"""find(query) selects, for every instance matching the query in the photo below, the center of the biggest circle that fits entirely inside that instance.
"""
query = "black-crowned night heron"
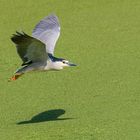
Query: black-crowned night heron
(37, 51)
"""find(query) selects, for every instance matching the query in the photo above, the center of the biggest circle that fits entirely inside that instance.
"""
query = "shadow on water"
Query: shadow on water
(50, 115)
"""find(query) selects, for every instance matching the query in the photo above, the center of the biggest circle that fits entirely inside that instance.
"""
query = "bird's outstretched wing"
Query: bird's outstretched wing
(29, 48)
(48, 31)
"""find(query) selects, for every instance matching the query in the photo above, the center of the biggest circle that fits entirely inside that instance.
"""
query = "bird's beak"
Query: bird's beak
(71, 64)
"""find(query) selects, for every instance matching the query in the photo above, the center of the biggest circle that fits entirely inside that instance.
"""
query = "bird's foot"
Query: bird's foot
(15, 77)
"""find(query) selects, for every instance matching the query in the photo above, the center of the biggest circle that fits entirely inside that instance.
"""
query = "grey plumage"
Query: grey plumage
(29, 48)
(48, 31)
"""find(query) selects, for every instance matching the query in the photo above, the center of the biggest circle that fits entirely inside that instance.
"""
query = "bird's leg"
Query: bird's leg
(15, 77)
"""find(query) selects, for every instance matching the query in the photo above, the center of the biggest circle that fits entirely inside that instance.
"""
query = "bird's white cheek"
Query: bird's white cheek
(57, 66)
(66, 65)
(60, 68)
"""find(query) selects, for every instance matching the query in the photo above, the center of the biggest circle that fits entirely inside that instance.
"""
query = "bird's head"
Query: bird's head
(59, 63)
(66, 63)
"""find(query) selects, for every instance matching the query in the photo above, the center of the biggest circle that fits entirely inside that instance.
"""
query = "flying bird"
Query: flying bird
(37, 51)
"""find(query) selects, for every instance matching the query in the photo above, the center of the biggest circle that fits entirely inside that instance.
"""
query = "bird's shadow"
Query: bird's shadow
(50, 115)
